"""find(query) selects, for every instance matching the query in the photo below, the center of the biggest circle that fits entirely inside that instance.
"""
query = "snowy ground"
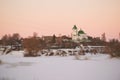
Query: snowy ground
(94, 67)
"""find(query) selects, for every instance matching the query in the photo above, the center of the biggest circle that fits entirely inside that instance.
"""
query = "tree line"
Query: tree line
(32, 45)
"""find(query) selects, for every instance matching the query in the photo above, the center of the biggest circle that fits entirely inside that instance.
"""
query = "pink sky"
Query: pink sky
(48, 17)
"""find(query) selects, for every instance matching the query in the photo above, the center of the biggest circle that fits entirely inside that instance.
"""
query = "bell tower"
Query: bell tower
(75, 32)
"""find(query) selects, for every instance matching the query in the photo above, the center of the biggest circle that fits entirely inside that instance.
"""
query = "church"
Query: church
(79, 35)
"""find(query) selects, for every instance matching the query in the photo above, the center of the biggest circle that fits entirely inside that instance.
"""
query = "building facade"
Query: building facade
(78, 35)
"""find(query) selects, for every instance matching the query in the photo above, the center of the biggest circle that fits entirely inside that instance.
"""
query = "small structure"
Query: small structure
(79, 35)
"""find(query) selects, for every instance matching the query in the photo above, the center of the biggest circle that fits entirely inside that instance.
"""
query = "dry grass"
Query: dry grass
(0, 61)
(77, 57)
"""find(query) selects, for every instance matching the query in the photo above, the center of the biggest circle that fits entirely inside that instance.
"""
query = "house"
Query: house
(47, 39)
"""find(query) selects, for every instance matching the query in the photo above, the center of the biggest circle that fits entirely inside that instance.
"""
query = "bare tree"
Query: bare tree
(103, 37)
(32, 45)
(4, 40)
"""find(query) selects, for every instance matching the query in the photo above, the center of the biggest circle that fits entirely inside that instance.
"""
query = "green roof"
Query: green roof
(81, 32)
(75, 27)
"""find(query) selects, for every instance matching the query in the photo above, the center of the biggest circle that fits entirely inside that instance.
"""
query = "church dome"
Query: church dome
(81, 32)
(75, 27)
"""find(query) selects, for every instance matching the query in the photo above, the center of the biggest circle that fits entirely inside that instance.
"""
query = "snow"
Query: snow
(96, 67)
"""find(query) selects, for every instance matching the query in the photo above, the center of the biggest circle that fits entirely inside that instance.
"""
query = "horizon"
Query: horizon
(48, 17)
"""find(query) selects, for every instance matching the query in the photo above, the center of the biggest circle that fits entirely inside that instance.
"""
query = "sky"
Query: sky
(48, 17)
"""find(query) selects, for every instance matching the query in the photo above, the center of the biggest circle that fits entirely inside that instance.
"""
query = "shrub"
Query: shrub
(114, 48)
(32, 46)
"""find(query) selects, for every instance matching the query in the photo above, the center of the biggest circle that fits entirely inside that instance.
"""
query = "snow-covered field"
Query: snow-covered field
(89, 67)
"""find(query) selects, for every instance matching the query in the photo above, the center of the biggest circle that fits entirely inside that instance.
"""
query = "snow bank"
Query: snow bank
(89, 56)
(17, 53)
(97, 67)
